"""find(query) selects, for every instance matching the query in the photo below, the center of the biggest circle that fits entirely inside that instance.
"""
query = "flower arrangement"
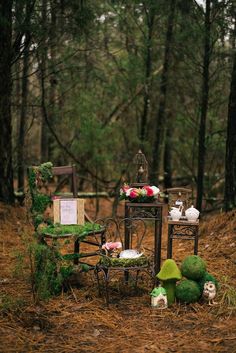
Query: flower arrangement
(112, 248)
(145, 194)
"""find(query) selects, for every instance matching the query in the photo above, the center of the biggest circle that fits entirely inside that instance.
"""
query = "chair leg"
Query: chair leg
(126, 275)
(76, 251)
(106, 278)
(136, 278)
(98, 281)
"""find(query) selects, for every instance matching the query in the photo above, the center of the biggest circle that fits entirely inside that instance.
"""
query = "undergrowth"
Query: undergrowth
(47, 270)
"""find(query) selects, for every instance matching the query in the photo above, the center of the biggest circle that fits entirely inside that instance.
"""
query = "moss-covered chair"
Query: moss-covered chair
(115, 259)
(42, 189)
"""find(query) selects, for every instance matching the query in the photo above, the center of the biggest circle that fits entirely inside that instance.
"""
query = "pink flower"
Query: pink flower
(149, 190)
(112, 245)
(134, 193)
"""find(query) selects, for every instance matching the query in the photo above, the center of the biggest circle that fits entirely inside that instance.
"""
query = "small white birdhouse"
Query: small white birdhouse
(159, 298)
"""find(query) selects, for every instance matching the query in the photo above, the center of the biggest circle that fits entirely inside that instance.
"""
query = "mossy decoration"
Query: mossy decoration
(169, 274)
(122, 262)
(78, 230)
(187, 291)
(38, 177)
(193, 267)
(206, 278)
(47, 276)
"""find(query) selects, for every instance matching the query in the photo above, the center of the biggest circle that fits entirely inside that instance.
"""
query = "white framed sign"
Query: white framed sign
(68, 211)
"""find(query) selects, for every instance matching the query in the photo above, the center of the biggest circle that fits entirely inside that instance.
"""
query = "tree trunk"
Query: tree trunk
(23, 113)
(204, 107)
(53, 79)
(6, 172)
(230, 159)
(160, 121)
(43, 66)
(148, 68)
(168, 157)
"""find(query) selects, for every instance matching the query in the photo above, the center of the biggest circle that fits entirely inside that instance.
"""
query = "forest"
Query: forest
(89, 86)
(91, 82)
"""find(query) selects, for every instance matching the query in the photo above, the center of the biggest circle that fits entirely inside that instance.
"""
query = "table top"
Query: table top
(183, 221)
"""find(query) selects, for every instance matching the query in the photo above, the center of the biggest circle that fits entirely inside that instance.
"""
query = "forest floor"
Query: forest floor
(79, 321)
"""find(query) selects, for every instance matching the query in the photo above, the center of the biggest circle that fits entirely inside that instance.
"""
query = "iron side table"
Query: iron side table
(150, 212)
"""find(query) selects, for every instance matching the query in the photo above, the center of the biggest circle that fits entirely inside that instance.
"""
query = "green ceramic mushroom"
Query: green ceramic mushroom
(169, 275)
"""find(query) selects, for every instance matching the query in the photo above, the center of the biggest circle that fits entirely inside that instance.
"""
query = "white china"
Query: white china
(130, 254)
(175, 214)
(192, 214)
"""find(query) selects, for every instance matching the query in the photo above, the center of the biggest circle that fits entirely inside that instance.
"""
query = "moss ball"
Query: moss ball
(193, 267)
(206, 278)
(188, 291)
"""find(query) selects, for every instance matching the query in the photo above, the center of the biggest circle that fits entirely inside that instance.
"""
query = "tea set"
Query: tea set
(191, 213)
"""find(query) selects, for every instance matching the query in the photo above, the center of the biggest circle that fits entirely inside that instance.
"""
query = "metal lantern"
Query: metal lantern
(141, 167)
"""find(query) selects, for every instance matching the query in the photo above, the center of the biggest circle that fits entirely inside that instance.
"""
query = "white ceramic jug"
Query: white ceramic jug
(175, 213)
(192, 214)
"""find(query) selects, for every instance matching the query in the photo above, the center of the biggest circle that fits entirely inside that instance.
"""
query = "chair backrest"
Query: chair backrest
(39, 180)
(42, 189)
(130, 232)
(69, 170)
(176, 196)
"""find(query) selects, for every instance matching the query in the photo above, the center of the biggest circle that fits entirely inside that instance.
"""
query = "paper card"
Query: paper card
(69, 211)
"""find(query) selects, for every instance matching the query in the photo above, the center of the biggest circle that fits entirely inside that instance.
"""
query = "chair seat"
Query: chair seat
(123, 263)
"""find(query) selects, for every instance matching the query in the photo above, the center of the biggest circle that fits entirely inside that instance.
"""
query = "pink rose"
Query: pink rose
(149, 190)
(134, 193)
(112, 245)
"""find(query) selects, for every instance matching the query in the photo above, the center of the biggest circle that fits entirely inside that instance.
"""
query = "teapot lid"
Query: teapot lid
(192, 208)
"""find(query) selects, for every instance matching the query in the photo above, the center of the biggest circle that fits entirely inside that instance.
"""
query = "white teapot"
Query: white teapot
(175, 213)
(192, 214)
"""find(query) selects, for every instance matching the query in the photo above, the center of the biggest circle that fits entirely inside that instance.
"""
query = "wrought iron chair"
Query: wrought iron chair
(111, 263)
(182, 229)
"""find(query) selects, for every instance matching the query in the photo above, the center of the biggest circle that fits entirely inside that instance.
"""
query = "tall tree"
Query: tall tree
(150, 15)
(24, 99)
(160, 120)
(230, 158)
(43, 73)
(204, 105)
(6, 172)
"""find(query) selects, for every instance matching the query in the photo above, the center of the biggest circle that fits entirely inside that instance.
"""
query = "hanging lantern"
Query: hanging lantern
(141, 168)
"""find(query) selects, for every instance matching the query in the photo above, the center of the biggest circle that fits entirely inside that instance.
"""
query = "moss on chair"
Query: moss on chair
(38, 176)
(79, 231)
(124, 262)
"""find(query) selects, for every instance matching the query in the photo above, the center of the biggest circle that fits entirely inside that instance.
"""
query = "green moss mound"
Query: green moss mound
(122, 262)
(193, 267)
(187, 291)
(206, 278)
